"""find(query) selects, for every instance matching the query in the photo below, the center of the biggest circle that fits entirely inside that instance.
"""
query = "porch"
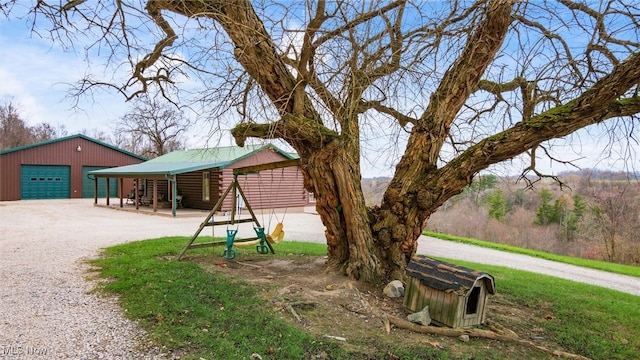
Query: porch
(114, 204)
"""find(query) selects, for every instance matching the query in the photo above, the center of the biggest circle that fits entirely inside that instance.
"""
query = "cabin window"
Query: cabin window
(206, 186)
(472, 301)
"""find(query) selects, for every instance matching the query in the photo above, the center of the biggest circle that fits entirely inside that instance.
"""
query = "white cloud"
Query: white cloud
(37, 76)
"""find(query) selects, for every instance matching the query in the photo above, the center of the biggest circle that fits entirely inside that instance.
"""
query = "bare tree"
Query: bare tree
(98, 134)
(466, 84)
(14, 130)
(613, 219)
(152, 128)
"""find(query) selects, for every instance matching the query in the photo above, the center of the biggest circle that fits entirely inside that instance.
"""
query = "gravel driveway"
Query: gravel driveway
(46, 305)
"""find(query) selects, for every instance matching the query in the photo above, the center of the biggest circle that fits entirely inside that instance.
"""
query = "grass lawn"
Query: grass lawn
(195, 313)
(198, 314)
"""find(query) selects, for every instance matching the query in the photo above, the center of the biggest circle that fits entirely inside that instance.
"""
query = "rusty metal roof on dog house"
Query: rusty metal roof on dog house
(447, 277)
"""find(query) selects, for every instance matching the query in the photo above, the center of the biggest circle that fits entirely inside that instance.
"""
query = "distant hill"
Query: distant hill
(595, 174)
(373, 189)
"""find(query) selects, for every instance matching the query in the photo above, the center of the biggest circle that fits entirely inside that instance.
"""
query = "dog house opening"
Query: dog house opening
(472, 301)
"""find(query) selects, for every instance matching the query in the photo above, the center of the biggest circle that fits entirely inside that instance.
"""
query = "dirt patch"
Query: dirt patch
(305, 293)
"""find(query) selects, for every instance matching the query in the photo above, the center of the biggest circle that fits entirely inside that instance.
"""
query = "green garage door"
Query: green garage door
(45, 182)
(87, 183)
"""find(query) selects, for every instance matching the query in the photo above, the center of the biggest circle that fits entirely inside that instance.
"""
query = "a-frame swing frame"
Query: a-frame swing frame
(235, 189)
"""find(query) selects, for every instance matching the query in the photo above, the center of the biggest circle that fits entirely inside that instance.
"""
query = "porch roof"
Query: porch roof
(184, 161)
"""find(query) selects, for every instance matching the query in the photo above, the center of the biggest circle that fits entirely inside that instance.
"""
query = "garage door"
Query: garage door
(45, 182)
(87, 183)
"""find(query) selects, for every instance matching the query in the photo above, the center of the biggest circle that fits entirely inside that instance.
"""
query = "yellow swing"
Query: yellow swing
(277, 235)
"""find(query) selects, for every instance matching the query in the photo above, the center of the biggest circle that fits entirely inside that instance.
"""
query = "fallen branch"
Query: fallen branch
(375, 311)
(247, 264)
(339, 338)
(497, 328)
(289, 306)
(478, 333)
(293, 312)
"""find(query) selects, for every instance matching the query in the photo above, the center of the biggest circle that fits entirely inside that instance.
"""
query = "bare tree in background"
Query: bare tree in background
(98, 134)
(14, 130)
(151, 128)
(613, 219)
(464, 84)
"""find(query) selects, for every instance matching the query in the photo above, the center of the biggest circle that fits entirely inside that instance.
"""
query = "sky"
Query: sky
(36, 76)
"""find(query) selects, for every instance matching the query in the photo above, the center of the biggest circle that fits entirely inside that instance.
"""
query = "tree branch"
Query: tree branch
(150, 59)
(403, 119)
(359, 20)
(297, 130)
(460, 80)
(597, 104)
(498, 88)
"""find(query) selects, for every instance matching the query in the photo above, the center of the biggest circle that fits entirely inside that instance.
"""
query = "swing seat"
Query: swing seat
(277, 235)
(230, 252)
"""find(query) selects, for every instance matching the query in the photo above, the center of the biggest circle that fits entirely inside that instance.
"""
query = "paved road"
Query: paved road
(452, 250)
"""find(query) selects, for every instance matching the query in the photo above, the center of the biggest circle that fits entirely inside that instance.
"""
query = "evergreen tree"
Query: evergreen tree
(579, 206)
(498, 206)
(546, 213)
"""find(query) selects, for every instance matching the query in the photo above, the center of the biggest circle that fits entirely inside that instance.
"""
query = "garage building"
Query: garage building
(59, 168)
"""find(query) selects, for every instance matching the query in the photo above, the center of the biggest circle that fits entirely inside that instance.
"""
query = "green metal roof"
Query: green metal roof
(184, 161)
(81, 136)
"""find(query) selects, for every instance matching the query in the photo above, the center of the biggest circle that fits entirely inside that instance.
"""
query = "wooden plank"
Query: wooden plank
(412, 294)
(268, 166)
(207, 244)
(458, 312)
(482, 302)
(228, 222)
(438, 304)
(238, 242)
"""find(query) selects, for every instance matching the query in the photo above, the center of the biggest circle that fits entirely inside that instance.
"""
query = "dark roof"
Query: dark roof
(184, 161)
(447, 277)
(77, 136)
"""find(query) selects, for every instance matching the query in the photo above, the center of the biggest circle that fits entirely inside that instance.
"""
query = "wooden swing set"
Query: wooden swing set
(262, 240)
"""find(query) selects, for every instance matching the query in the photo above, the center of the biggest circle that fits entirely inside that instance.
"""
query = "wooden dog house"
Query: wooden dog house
(456, 296)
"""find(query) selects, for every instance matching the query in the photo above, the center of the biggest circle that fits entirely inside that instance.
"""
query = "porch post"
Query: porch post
(175, 193)
(155, 195)
(108, 194)
(137, 183)
(95, 190)
(121, 187)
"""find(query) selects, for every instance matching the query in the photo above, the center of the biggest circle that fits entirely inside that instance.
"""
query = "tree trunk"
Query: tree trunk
(334, 177)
